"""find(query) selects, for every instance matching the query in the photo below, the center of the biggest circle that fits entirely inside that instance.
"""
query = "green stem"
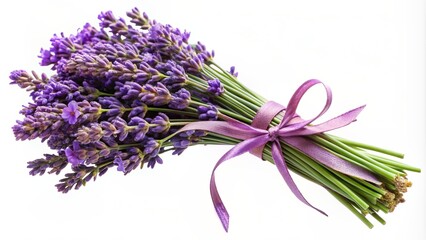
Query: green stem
(349, 206)
(368, 147)
(394, 164)
(229, 76)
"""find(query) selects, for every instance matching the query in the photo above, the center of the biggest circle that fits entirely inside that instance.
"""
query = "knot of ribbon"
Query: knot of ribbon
(290, 131)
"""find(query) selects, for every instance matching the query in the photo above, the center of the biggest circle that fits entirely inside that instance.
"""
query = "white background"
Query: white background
(369, 52)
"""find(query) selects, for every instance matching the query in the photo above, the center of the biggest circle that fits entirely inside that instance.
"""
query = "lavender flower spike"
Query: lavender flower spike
(72, 154)
(71, 112)
(161, 123)
(207, 112)
(120, 164)
(215, 87)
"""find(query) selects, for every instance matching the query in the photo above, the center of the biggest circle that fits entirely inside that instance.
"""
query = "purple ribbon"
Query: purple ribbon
(290, 130)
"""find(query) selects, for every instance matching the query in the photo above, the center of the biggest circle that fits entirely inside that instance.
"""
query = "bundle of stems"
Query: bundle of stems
(360, 196)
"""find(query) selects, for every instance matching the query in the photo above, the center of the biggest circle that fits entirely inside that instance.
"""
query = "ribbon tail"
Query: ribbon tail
(334, 123)
(281, 165)
(330, 160)
(237, 150)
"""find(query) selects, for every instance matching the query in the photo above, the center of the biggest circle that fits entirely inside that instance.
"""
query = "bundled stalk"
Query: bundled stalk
(124, 94)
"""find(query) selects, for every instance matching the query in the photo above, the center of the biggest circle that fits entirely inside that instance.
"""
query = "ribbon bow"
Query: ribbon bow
(290, 130)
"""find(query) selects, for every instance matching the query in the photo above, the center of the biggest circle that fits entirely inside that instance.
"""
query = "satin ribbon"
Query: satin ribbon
(290, 131)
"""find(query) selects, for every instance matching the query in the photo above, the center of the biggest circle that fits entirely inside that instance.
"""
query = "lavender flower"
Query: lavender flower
(80, 175)
(128, 90)
(108, 20)
(72, 154)
(233, 72)
(138, 19)
(87, 35)
(154, 160)
(155, 96)
(207, 112)
(180, 99)
(26, 81)
(61, 138)
(183, 140)
(141, 128)
(151, 147)
(138, 111)
(119, 162)
(176, 76)
(122, 128)
(56, 163)
(215, 87)
(202, 52)
(62, 48)
(160, 124)
(71, 112)
(121, 52)
(41, 121)
(87, 64)
(93, 133)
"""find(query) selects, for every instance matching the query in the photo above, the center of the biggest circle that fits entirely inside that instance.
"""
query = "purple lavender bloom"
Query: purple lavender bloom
(93, 133)
(128, 90)
(152, 161)
(151, 147)
(155, 31)
(47, 57)
(215, 87)
(87, 34)
(122, 128)
(233, 72)
(119, 162)
(141, 129)
(97, 109)
(160, 124)
(176, 76)
(203, 53)
(113, 105)
(83, 64)
(155, 96)
(61, 138)
(108, 129)
(91, 111)
(71, 112)
(150, 58)
(56, 163)
(207, 112)
(184, 139)
(72, 154)
(142, 21)
(61, 47)
(180, 144)
(57, 91)
(195, 64)
(80, 175)
(119, 52)
(43, 122)
(180, 99)
(21, 78)
(108, 20)
(138, 111)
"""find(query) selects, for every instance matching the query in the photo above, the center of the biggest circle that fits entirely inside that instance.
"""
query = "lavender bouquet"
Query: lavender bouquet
(124, 94)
